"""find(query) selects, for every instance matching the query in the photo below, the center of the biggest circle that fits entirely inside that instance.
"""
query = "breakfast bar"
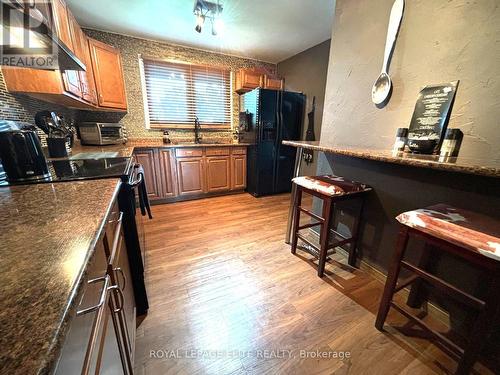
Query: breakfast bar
(403, 182)
(471, 166)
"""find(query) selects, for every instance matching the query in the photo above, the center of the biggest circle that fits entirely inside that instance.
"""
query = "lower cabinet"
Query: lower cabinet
(239, 172)
(218, 173)
(101, 337)
(192, 172)
(123, 300)
(149, 160)
(168, 173)
(190, 176)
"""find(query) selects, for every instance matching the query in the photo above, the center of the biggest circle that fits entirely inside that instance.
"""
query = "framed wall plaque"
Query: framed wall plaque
(430, 117)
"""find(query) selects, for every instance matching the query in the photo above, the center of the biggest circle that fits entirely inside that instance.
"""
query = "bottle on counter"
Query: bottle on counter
(166, 137)
(401, 140)
(451, 144)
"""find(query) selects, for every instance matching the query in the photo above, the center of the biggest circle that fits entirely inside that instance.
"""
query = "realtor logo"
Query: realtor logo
(26, 35)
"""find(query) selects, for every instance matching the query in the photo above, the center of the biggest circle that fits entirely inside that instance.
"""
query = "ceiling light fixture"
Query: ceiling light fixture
(206, 9)
(200, 20)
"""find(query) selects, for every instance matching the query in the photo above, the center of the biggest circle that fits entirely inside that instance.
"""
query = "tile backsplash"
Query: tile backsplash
(130, 49)
(23, 108)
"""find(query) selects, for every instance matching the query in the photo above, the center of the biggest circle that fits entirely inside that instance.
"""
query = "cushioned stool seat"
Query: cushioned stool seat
(330, 189)
(330, 185)
(466, 235)
(469, 230)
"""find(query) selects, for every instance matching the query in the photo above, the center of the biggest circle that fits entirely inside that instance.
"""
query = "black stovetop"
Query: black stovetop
(82, 169)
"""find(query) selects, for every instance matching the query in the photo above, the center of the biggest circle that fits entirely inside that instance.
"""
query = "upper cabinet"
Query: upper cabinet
(62, 23)
(273, 83)
(82, 51)
(249, 79)
(100, 87)
(108, 73)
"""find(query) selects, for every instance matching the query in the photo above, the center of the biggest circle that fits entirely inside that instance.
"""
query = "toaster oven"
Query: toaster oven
(101, 133)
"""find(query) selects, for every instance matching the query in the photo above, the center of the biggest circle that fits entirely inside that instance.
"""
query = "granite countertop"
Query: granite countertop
(158, 142)
(128, 148)
(48, 235)
(482, 167)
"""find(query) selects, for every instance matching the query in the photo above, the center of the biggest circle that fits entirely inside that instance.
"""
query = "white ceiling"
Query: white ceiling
(268, 30)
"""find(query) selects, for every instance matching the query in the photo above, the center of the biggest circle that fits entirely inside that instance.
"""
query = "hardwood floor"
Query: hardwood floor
(221, 280)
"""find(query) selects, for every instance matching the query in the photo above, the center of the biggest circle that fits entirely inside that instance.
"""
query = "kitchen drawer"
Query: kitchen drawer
(85, 326)
(188, 152)
(217, 151)
(239, 150)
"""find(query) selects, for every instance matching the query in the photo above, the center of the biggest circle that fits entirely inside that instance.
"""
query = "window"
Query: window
(176, 93)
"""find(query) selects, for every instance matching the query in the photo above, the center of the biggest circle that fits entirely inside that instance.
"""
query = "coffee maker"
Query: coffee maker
(21, 153)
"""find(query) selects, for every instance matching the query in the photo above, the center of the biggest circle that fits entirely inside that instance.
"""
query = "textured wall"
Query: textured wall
(439, 41)
(131, 48)
(306, 72)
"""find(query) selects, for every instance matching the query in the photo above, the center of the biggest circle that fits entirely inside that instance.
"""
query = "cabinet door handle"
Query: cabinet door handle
(119, 270)
(102, 298)
(119, 220)
(121, 298)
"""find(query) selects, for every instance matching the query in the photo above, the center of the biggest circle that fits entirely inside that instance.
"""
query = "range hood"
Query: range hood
(27, 39)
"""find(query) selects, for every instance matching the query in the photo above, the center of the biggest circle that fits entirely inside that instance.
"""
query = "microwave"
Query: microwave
(101, 133)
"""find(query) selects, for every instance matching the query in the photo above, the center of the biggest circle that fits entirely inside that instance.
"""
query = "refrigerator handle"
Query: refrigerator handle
(281, 115)
(259, 130)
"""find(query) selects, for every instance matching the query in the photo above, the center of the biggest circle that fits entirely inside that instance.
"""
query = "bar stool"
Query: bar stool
(330, 189)
(468, 235)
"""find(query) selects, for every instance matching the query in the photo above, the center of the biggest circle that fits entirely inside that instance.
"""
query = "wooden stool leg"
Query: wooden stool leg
(324, 235)
(353, 246)
(392, 279)
(296, 217)
(418, 292)
(480, 331)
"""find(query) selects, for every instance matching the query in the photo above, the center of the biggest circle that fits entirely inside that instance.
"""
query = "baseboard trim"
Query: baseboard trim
(190, 197)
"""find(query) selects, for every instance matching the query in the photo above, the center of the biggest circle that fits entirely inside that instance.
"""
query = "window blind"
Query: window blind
(177, 93)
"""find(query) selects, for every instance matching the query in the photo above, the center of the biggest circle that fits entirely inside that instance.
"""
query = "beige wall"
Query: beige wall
(130, 49)
(306, 72)
(439, 41)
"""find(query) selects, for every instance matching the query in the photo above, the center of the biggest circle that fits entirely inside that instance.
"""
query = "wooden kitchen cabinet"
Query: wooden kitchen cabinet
(100, 87)
(74, 351)
(62, 23)
(85, 78)
(180, 173)
(238, 172)
(108, 75)
(247, 80)
(124, 306)
(190, 175)
(218, 173)
(54, 86)
(101, 336)
(273, 83)
(168, 173)
(72, 78)
(148, 157)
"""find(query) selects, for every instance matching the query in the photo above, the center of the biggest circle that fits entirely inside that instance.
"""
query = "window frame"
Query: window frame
(228, 126)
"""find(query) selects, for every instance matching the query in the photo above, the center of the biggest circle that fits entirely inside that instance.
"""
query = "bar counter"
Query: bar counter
(483, 167)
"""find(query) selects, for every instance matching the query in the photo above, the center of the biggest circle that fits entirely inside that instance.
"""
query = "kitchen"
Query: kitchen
(153, 187)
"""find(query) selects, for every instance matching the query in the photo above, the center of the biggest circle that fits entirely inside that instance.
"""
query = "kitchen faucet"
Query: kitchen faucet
(197, 128)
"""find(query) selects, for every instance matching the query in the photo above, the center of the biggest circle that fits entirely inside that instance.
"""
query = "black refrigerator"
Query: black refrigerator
(268, 117)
